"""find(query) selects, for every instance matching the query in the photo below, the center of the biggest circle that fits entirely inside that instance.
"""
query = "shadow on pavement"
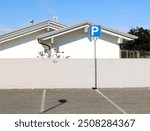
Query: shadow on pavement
(61, 102)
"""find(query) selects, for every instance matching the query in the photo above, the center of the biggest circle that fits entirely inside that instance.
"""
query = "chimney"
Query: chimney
(55, 18)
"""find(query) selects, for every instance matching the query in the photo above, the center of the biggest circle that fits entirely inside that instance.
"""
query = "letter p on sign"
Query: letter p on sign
(94, 31)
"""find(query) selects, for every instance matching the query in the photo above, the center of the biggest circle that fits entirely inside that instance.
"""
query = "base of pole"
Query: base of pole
(94, 88)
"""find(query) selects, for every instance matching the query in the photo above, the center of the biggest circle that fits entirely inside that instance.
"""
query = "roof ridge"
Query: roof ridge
(86, 23)
(48, 21)
(66, 28)
(21, 28)
(30, 28)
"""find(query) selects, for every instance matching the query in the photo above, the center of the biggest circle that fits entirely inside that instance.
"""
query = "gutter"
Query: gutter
(40, 42)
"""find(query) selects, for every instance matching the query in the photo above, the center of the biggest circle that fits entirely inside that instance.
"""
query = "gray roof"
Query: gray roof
(119, 32)
(30, 29)
(50, 34)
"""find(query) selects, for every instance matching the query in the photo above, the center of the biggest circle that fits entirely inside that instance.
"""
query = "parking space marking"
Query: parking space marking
(43, 101)
(113, 103)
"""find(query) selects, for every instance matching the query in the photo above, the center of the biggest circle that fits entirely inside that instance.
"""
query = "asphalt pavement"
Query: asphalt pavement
(75, 101)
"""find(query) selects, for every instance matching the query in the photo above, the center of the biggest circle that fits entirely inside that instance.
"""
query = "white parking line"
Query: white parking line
(43, 101)
(113, 103)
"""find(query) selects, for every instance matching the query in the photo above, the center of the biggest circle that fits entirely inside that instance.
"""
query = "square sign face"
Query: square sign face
(94, 31)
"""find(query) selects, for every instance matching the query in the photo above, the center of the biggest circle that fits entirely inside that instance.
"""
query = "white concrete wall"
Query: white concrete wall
(24, 47)
(73, 73)
(77, 45)
(124, 73)
(45, 73)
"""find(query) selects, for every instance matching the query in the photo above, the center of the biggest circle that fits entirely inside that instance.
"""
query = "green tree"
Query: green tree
(140, 44)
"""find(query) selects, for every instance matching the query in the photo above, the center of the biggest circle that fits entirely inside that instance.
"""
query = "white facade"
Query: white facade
(24, 47)
(77, 45)
(26, 50)
(72, 40)
(74, 45)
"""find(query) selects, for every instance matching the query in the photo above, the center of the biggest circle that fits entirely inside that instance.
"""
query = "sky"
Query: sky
(118, 14)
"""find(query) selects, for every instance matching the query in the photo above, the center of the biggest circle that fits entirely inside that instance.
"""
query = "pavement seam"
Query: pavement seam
(113, 103)
(43, 101)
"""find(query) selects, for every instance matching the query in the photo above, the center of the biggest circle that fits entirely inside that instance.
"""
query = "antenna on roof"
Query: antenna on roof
(55, 18)
(31, 22)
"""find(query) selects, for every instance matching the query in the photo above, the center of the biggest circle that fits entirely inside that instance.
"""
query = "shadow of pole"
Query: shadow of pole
(61, 102)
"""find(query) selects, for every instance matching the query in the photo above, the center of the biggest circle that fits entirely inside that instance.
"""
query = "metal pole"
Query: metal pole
(95, 64)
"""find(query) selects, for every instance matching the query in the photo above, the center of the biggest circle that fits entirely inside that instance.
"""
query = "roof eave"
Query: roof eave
(30, 29)
(86, 23)
(125, 35)
(63, 31)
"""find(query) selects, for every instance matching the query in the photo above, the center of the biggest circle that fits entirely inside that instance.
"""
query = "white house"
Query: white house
(53, 36)
(23, 43)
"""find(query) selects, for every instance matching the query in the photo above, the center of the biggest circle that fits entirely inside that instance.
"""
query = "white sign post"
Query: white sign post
(94, 34)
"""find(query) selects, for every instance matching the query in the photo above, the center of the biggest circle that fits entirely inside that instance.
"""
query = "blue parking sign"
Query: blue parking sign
(94, 31)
